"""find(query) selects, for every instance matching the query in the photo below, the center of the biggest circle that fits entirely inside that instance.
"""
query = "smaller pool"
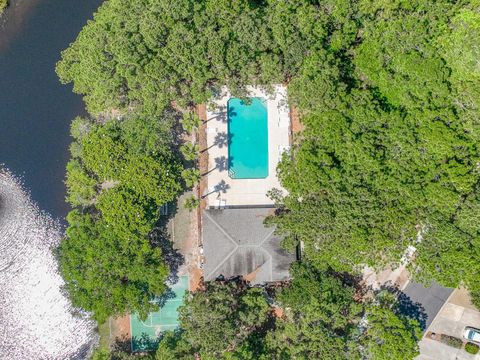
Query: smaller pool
(247, 139)
(146, 334)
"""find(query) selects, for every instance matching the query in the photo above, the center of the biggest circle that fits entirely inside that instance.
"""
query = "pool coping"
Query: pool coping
(220, 189)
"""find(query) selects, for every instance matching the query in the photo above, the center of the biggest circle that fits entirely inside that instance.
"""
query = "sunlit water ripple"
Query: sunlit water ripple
(36, 319)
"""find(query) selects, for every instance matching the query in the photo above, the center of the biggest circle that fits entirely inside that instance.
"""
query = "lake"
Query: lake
(35, 109)
(37, 320)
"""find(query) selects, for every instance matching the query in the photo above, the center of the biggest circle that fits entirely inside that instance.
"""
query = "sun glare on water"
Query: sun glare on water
(37, 321)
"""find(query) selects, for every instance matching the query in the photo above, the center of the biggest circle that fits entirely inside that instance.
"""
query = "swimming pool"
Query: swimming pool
(247, 139)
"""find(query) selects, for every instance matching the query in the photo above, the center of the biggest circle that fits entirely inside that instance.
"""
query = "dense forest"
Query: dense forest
(388, 93)
(322, 320)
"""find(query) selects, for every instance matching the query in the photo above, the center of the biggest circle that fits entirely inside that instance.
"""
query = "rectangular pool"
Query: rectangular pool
(247, 139)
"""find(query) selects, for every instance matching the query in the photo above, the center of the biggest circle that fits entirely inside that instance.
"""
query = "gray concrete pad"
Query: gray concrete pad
(447, 326)
(451, 320)
(434, 350)
(452, 312)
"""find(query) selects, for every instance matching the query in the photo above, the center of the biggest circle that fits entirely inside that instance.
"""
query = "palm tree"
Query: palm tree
(191, 122)
(189, 151)
(191, 176)
(191, 202)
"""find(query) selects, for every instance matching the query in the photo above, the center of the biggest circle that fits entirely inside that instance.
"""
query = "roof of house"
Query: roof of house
(428, 300)
(236, 242)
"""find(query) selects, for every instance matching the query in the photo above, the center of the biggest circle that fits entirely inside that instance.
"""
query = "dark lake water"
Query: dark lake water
(35, 114)
(35, 109)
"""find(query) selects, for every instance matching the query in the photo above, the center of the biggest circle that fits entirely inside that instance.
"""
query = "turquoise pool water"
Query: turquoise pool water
(247, 139)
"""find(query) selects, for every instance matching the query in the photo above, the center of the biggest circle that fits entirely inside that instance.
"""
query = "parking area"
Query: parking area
(457, 313)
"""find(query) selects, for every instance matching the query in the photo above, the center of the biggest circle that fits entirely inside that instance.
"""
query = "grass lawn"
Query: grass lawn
(104, 332)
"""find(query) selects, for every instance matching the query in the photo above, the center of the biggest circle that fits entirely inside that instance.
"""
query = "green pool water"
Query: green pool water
(247, 139)
(146, 333)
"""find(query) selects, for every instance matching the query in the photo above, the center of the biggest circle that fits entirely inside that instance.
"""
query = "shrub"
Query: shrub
(3, 5)
(192, 203)
(451, 341)
(471, 348)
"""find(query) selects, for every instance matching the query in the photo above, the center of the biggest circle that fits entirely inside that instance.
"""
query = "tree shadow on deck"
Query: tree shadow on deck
(220, 165)
(221, 140)
(221, 187)
(220, 114)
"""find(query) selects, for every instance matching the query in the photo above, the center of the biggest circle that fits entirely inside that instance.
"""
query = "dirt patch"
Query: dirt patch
(278, 312)
(251, 276)
(195, 265)
(203, 159)
(110, 114)
(296, 124)
(462, 297)
(196, 279)
(185, 235)
(120, 331)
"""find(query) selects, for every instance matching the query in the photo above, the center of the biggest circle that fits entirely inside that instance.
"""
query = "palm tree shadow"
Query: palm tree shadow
(220, 114)
(222, 139)
(221, 187)
(220, 165)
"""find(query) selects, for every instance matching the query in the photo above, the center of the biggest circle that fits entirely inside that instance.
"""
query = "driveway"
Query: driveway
(451, 319)
(434, 350)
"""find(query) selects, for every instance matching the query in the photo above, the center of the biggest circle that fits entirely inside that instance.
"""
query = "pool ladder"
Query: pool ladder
(231, 173)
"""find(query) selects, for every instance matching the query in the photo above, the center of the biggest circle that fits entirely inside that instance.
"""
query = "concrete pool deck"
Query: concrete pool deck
(225, 191)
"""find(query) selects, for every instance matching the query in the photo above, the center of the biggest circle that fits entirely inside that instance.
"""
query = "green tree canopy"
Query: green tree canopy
(386, 331)
(388, 92)
(327, 318)
(3, 5)
(321, 318)
(324, 317)
(389, 157)
(148, 53)
(385, 324)
(121, 173)
(105, 274)
(221, 317)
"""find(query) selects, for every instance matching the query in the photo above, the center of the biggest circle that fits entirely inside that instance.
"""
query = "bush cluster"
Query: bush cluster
(451, 341)
(472, 348)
